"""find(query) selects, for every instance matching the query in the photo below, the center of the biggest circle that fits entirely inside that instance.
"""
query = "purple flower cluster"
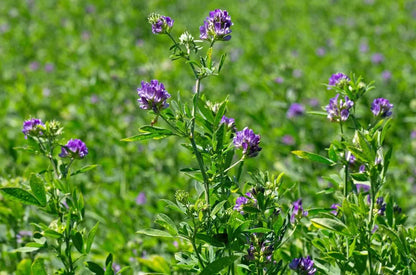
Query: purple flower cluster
(160, 24)
(339, 110)
(31, 127)
(75, 148)
(248, 141)
(153, 96)
(381, 206)
(228, 122)
(295, 110)
(243, 200)
(303, 266)
(381, 107)
(336, 207)
(297, 211)
(338, 80)
(216, 26)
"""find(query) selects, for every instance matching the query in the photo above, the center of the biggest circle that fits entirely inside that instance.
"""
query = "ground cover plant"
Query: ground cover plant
(284, 186)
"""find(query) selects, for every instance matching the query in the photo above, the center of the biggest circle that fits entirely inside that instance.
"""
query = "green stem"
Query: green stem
(346, 165)
(171, 125)
(370, 225)
(232, 166)
(195, 148)
(68, 247)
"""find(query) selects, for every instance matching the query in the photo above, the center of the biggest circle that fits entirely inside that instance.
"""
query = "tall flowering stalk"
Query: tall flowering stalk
(211, 223)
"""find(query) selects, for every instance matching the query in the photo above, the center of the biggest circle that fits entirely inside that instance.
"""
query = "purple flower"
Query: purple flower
(362, 187)
(313, 102)
(339, 109)
(364, 47)
(303, 266)
(49, 67)
(243, 200)
(338, 80)
(228, 122)
(294, 110)
(381, 107)
(386, 75)
(279, 80)
(288, 140)
(75, 148)
(216, 26)
(374, 229)
(381, 206)
(362, 168)
(248, 141)
(34, 66)
(336, 207)
(31, 127)
(377, 58)
(297, 211)
(153, 96)
(350, 158)
(141, 198)
(320, 51)
(160, 24)
(413, 134)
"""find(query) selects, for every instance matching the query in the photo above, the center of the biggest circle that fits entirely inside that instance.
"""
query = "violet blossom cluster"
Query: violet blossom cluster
(303, 266)
(297, 211)
(338, 80)
(381, 107)
(75, 149)
(381, 206)
(160, 24)
(31, 127)
(153, 96)
(248, 141)
(228, 122)
(295, 110)
(216, 26)
(243, 200)
(339, 109)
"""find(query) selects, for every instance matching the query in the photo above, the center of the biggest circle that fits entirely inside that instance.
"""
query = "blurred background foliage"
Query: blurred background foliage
(80, 62)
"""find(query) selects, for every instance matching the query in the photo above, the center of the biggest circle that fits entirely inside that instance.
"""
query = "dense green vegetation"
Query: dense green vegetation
(80, 63)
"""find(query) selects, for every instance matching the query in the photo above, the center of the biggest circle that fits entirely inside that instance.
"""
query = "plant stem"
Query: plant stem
(232, 166)
(186, 56)
(346, 165)
(370, 225)
(196, 151)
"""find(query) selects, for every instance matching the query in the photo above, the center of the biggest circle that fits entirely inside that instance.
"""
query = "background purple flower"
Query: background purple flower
(49, 67)
(320, 51)
(339, 109)
(153, 96)
(294, 110)
(338, 80)
(336, 207)
(141, 198)
(216, 26)
(377, 58)
(364, 47)
(279, 80)
(75, 148)
(362, 187)
(381, 107)
(288, 140)
(248, 141)
(30, 127)
(386, 75)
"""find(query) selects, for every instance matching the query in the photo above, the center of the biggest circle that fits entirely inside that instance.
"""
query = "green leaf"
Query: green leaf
(166, 222)
(217, 208)
(218, 265)
(317, 113)
(78, 242)
(150, 132)
(211, 241)
(330, 224)
(359, 176)
(365, 146)
(38, 188)
(90, 238)
(20, 195)
(109, 259)
(313, 157)
(24, 267)
(26, 249)
(259, 230)
(84, 169)
(221, 62)
(156, 263)
(95, 268)
(38, 267)
(52, 234)
(154, 233)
